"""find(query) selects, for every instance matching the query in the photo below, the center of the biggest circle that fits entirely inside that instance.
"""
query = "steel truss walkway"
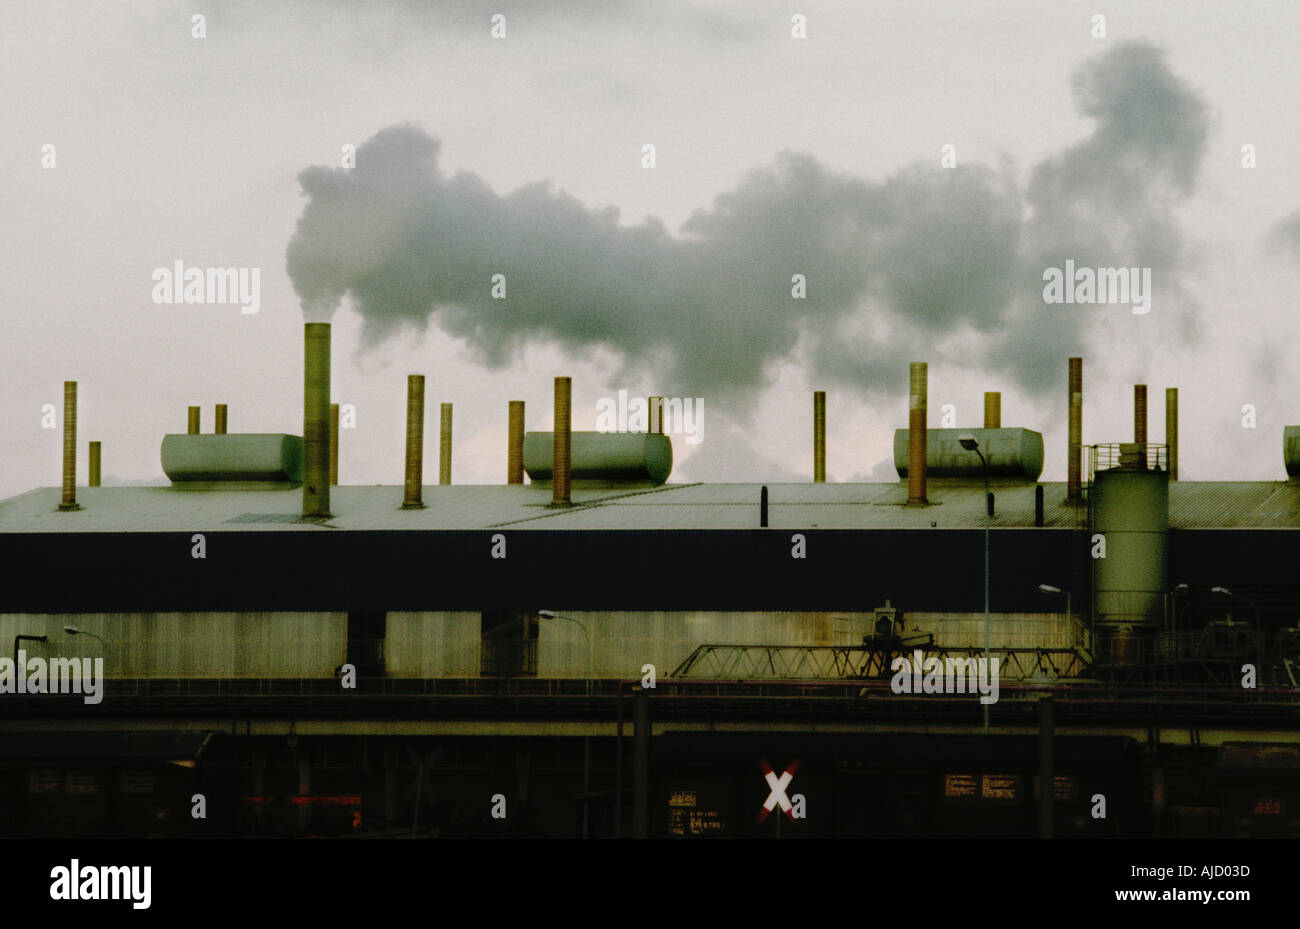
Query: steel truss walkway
(867, 662)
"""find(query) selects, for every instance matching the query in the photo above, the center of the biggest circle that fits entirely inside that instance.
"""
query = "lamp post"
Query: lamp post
(1175, 595)
(1228, 593)
(73, 630)
(1049, 589)
(971, 444)
(24, 638)
(586, 740)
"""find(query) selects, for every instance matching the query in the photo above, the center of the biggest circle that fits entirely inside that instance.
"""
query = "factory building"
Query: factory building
(597, 651)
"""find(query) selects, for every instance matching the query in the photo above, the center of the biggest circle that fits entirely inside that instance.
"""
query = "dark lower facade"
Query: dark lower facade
(698, 784)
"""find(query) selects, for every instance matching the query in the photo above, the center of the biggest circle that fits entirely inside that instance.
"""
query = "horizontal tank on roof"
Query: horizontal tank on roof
(1011, 453)
(261, 457)
(602, 456)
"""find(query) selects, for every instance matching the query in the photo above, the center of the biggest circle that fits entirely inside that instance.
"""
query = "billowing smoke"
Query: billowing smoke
(1284, 237)
(934, 263)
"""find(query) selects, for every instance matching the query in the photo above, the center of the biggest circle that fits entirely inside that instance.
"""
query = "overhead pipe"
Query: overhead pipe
(560, 456)
(413, 499)
(515, 443)
(94, 464)
(992, 409)
(334, 444)
(69, 501)
(819, 436)
(916, 437)
(444, 446)
(1171, 430)
(316, 420)
(1140, 423)
(1074, 463)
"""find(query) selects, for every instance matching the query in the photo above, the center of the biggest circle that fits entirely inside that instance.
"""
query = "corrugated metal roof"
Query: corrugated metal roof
(954, 505)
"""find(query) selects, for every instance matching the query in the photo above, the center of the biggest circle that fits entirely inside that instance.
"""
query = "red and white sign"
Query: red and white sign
(777, 785)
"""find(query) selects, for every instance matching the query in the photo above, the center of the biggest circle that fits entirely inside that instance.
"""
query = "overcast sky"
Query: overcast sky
(774, 156)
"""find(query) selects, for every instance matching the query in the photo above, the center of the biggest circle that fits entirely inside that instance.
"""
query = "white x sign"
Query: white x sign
(778, 786)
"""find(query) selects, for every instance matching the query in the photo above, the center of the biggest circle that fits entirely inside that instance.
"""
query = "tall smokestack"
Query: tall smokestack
(69, 501)
(1140, 422)
(515, 444)
(334, 444)
(192, 423)
(444, 446)
(94, 464)
(414, 442)
(560, 466)
(316, 420)
(819, 436)
(219, 426)
(1074, 464)
(916, 447)
(1171, 430)
(992, 409)
(655, 416)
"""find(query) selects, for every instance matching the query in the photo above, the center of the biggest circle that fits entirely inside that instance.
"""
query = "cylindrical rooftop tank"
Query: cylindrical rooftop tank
(1291, 450)
(1015, 454)
(602, 456)
(236, 457)
(1131, 510)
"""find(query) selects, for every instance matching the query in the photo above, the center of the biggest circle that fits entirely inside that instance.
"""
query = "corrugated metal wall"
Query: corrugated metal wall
(198, 645)
(448, 644)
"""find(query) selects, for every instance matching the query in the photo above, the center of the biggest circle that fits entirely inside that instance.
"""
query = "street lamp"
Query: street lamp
(970, 443)
(551, 614)
(1228, 593)
(586, 740)
(73, 630)
(1050, 589)
(24, 638)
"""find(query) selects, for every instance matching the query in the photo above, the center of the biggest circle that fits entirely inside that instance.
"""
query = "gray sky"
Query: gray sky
(775, 156)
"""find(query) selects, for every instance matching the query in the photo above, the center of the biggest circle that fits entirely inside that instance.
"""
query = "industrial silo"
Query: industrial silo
(1130, 509)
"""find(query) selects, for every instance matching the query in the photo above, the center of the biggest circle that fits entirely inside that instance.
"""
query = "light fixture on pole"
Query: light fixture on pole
(971, 444)
(24, 638)
(586, 740)
(1069, 611)
(1228, 593)
(73, 630)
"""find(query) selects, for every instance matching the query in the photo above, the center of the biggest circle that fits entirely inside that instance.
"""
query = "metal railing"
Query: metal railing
(1126, 456)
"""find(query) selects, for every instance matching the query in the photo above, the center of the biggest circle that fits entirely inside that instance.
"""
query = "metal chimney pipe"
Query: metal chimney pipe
(560, 455)
(515, 443)
(1140, 422)
(916, 438)
(192, 425)
(94, 464)
(220, 423)
(69, 501)
(992, 409)
(444, 446)
(316, 420)
(414, 442)
(334, 444)
(655, 416)
(1171, 430)
(1074, 463)
(819, 436)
